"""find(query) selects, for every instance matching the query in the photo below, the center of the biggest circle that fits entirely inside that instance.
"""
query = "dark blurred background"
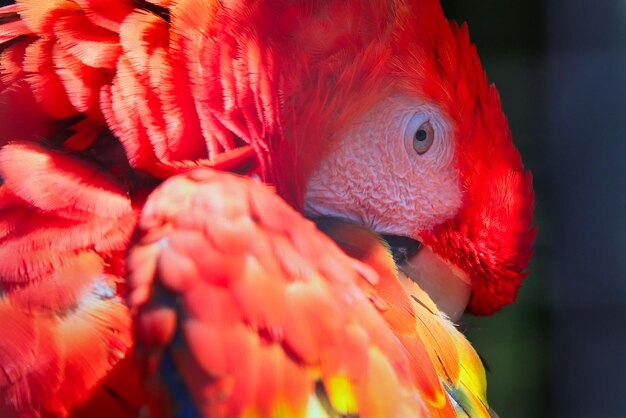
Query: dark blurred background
(560, 66)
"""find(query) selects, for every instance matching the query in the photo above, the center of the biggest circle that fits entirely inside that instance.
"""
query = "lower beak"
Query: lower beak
(447, 285)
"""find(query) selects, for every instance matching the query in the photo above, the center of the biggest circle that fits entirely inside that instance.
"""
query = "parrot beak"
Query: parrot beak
(447, 285)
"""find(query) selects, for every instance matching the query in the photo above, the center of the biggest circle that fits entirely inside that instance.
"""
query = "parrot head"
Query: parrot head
(394, 126)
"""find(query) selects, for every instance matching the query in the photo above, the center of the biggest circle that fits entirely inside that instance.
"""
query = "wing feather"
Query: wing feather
(65, 225)
(257, 319)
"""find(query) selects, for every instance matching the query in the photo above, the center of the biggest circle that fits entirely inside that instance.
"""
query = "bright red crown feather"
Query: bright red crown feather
(491, 236)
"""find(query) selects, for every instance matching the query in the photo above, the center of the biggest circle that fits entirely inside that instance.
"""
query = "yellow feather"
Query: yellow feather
(342, 395)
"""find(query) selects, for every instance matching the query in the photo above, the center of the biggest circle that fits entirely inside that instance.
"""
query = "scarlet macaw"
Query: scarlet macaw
(137, 115)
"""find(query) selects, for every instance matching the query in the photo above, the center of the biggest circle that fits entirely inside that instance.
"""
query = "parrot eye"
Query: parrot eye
(419, 134)
(423, 138)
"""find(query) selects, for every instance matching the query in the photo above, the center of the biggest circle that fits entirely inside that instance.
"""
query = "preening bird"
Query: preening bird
(250, 208)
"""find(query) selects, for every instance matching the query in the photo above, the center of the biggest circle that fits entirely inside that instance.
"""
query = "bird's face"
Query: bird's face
(416, 147)
(394, 172)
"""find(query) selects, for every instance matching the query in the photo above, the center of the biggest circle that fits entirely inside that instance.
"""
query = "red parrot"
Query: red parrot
(160, 161)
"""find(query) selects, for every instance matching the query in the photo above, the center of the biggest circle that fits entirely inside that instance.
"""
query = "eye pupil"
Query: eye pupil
(420, 135)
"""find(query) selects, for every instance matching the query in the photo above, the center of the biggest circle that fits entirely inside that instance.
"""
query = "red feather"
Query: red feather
(63, 225)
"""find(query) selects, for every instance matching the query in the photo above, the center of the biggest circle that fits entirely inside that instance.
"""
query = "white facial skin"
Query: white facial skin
(375, 177)
(379, 177)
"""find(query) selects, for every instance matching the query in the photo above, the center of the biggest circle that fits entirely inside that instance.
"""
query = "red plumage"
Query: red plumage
(102, 100)
(64, 226)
